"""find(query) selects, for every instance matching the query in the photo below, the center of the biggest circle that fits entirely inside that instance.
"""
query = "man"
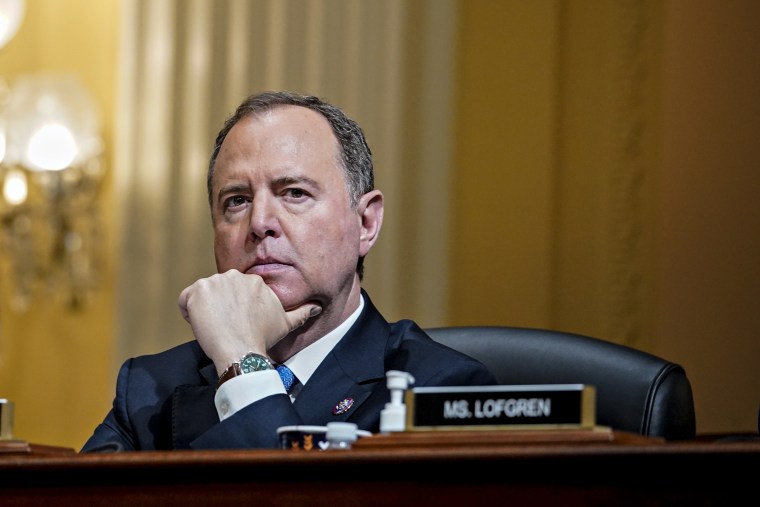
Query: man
(294, 211)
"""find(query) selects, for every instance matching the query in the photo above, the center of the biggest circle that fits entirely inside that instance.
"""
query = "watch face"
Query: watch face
(254, 362)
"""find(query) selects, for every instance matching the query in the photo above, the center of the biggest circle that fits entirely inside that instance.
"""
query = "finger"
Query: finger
(299, 316)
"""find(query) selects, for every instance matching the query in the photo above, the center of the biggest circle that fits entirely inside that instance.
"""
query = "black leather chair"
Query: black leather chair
(635, 391)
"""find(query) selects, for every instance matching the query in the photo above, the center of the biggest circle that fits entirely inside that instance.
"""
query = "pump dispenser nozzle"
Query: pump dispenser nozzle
(393, 416)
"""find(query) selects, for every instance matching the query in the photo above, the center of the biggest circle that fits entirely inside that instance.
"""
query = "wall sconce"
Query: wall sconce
(50, 171)
(11, 14)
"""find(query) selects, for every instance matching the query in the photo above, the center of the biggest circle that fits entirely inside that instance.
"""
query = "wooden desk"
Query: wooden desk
(466, 470)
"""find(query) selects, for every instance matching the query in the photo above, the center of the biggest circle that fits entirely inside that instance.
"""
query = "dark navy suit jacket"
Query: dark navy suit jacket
(166, 400)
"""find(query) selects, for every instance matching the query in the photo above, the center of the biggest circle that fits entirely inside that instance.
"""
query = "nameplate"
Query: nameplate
(551, 406)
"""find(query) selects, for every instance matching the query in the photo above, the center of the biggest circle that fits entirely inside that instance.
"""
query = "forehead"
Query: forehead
(285, 126)
(280, 138)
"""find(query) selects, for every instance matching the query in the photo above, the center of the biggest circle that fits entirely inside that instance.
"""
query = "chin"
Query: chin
(288, 297)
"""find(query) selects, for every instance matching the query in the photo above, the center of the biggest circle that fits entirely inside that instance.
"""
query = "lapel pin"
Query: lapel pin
(343, 406)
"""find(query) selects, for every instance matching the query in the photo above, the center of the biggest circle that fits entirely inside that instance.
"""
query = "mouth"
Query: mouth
(267, 267)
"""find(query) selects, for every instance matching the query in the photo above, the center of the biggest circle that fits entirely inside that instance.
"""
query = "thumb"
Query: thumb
(299, 316)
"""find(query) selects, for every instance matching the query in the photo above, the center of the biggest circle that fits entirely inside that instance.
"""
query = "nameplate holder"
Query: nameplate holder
(6, 419)
(549, 406)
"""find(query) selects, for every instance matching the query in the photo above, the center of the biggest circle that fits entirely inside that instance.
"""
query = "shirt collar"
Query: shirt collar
(304, 363)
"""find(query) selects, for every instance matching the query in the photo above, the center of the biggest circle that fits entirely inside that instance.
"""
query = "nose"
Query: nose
(264, 220)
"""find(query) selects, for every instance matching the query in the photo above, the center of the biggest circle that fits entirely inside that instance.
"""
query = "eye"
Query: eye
(234, 201)
(295, 193)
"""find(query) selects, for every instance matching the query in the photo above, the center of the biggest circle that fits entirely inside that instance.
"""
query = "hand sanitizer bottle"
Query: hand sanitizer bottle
(393, 416)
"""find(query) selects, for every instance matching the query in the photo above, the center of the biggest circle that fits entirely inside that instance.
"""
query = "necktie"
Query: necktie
(288, 379)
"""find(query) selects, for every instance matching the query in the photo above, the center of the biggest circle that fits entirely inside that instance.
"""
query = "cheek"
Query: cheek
(340, 242)
(224, 249)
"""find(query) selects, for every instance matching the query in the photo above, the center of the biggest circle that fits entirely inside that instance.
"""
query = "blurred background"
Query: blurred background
(590, 166)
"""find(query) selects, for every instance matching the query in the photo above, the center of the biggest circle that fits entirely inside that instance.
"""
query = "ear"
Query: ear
(370, 209)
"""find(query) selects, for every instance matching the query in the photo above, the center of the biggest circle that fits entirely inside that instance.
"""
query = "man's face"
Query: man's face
(281, 209)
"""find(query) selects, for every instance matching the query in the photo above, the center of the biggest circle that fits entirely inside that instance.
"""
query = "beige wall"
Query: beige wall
(505, 157)
(608, 184)
(556, 159)
(605, 183)
(55, 365)
(708, 270)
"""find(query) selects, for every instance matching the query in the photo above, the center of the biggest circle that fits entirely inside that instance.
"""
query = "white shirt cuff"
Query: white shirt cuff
(243, 390)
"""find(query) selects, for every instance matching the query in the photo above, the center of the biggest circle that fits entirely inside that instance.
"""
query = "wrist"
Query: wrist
(249, 363)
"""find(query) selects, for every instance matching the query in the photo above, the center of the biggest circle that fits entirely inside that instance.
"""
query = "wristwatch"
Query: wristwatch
(248, 364)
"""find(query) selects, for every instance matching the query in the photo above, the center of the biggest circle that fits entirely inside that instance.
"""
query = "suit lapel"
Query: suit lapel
(349, 373)
(330, 394)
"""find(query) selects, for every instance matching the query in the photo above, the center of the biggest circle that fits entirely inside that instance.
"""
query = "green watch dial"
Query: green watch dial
(254, 362)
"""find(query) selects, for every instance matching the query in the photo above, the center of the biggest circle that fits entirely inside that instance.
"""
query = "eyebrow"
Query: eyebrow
(289, 180)
(233, 187)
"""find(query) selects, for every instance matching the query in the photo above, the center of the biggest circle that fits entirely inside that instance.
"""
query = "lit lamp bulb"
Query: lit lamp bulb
(14, 187)
(51, 148)
(52, 123)
(11, 14)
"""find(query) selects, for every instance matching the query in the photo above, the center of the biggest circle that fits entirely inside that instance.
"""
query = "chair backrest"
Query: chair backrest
(635, 391)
